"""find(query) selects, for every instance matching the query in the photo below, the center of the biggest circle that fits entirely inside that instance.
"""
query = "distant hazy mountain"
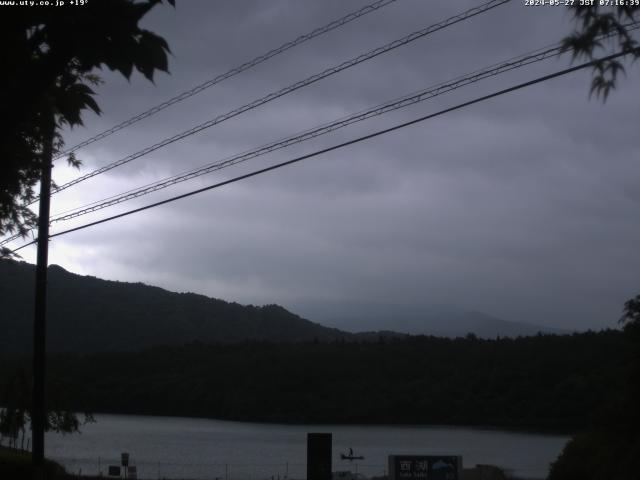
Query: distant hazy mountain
(87, 314)
(440, 321)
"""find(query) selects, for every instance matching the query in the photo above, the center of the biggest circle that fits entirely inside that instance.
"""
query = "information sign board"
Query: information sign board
(425, 467)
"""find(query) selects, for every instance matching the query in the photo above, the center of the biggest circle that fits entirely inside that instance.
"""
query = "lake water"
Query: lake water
(173, 447)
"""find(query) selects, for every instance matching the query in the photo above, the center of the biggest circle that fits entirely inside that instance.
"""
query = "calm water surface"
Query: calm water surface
(173, 447)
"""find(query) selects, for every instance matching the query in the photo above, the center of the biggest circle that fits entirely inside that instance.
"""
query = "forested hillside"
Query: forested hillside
(87, 314)
(540, 382)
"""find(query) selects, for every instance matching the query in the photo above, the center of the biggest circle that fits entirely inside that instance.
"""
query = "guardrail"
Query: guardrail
(215, 470)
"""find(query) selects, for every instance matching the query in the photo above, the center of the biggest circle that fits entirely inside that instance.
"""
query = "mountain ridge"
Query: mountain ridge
(89, 314)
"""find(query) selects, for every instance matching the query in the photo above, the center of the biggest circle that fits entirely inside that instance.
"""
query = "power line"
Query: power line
(444, 87)
(345, 144)
(234, 71)
(411, 99)
(295, 86)
(14, 237)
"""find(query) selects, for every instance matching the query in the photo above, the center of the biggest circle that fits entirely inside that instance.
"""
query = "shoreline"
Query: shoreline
(17, 463)
(544, 431)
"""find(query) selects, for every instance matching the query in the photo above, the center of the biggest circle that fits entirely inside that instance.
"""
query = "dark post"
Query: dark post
(319, 456)
(40, 319)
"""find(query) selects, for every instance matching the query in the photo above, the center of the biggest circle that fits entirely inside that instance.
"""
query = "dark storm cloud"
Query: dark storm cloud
(524, 207)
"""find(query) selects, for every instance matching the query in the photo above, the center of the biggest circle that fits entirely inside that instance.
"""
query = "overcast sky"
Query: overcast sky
(525, 207)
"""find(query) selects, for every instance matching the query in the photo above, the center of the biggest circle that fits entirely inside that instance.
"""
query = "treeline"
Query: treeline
(541, 382)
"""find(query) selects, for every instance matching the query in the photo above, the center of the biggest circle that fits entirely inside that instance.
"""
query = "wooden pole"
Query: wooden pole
(39, 414)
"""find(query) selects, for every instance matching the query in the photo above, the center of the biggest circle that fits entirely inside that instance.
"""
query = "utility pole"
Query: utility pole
(38, 415)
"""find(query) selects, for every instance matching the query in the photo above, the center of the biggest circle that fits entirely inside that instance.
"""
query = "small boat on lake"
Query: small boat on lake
(351, 456)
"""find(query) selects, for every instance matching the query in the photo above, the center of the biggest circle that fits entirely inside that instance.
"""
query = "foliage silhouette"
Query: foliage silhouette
(15, 415)
(597, 21)
(49, 57)
(610, 448)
